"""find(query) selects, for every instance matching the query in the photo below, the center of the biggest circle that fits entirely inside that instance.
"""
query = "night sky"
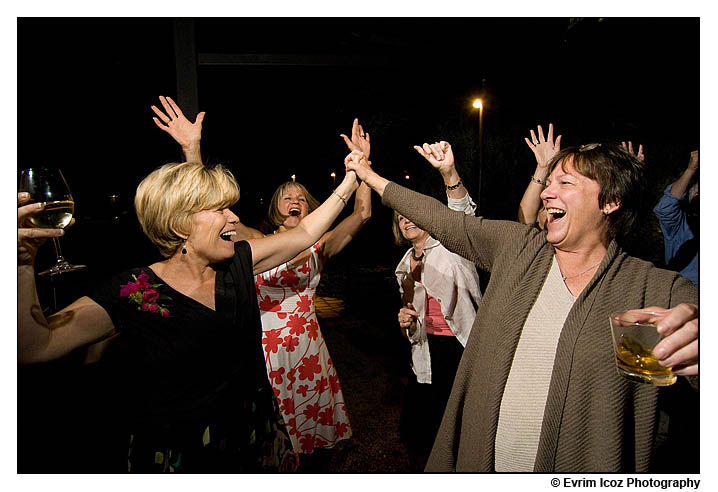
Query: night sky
(85, 87)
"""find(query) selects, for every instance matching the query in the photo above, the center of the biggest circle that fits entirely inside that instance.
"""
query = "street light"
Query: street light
(479, 104)
(294, 178)
(334, 178)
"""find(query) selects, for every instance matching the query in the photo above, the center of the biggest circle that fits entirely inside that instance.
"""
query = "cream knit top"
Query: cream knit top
(524, 400)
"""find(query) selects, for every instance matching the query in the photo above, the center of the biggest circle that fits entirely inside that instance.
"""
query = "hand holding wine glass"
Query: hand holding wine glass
(47, 187)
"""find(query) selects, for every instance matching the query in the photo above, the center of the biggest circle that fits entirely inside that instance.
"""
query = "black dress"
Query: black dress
(189, 384)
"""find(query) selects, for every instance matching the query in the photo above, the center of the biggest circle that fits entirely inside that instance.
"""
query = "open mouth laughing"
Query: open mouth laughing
(555, 213)
(294, 212)
(227, 236)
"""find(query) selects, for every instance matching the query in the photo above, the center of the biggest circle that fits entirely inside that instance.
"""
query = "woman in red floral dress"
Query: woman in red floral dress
(299, 366)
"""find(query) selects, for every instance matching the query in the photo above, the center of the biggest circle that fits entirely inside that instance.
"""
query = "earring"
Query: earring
(184, 249)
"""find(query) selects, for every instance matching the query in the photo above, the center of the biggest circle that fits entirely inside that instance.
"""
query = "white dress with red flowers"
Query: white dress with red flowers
(300, 369)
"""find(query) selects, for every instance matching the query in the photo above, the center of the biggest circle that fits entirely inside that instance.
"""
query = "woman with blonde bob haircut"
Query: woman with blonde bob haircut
(293, 342)
(192, 386)
(167, 198)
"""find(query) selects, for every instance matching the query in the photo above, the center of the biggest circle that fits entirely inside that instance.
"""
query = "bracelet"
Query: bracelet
(340, 197)
(537, 181)
(453, 187)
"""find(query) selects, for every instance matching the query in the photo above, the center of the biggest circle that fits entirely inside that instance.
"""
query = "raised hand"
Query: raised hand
(360, 141)
(29, 238)
(543, 148)
(439, 155)
(693, 161)
(174, 122)
(355, 161)
(629, 149)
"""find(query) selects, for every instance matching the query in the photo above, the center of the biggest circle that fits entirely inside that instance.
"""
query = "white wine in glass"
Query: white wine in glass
(49, 186)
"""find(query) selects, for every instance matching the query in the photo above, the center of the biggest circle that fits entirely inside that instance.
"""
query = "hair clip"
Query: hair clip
(586, 147)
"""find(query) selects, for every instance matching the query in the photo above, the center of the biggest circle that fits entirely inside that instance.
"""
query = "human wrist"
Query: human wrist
(450, 177)
(192, 146)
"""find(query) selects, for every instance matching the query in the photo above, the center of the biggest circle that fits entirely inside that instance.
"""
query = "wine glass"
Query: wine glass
(49, 186)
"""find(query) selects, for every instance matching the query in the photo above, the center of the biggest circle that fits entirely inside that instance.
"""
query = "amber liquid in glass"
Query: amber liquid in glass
(638, 363)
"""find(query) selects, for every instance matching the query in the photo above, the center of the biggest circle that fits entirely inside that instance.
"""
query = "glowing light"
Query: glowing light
(294, 178)
(406, 176)
(333, 175)
(478, 104)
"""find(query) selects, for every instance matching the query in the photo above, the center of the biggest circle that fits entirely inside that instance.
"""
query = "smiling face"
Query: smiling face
(211, 235)
(410, 231)
(575, 220)
(293, 203)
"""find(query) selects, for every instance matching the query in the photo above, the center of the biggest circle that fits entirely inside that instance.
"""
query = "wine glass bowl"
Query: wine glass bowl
(48, 186)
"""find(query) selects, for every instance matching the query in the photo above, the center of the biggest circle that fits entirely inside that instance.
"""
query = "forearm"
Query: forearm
(33, 331)
(192, 152)
(376, 182)
(362, 203)
(319, 221)
(530, 203)
(41, 339)
(681, 185)
(531, 200)
(451, 179)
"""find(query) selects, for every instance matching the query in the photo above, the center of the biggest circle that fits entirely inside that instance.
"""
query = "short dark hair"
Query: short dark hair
(620, 175)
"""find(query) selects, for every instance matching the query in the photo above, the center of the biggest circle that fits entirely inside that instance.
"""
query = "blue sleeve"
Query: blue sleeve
(673, 220)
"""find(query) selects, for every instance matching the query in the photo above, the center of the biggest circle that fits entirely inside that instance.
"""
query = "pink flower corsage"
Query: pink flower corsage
(145, 295)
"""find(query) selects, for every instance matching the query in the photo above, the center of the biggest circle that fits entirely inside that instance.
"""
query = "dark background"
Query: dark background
(85, 87)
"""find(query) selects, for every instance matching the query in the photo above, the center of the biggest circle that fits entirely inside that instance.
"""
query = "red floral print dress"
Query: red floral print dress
(300, 369)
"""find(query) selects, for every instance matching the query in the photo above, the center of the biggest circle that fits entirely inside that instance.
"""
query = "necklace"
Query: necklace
(417, 258)
(564, 278)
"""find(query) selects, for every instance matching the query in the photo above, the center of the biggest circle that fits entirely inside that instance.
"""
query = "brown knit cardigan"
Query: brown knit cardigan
(594, 419)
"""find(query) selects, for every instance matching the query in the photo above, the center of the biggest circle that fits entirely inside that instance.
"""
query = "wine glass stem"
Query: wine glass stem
(58, 250)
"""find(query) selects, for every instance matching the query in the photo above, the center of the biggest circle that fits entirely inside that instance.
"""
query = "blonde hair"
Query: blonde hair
(167, 198)
(275, 216)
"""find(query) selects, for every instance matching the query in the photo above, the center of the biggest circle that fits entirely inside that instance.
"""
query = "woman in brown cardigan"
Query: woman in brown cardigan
(537, 388)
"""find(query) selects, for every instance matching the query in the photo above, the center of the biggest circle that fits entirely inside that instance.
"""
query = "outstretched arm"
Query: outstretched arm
(185, 133)
(38, 338)
(188, 136)
(681, 185)
(544, 149)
